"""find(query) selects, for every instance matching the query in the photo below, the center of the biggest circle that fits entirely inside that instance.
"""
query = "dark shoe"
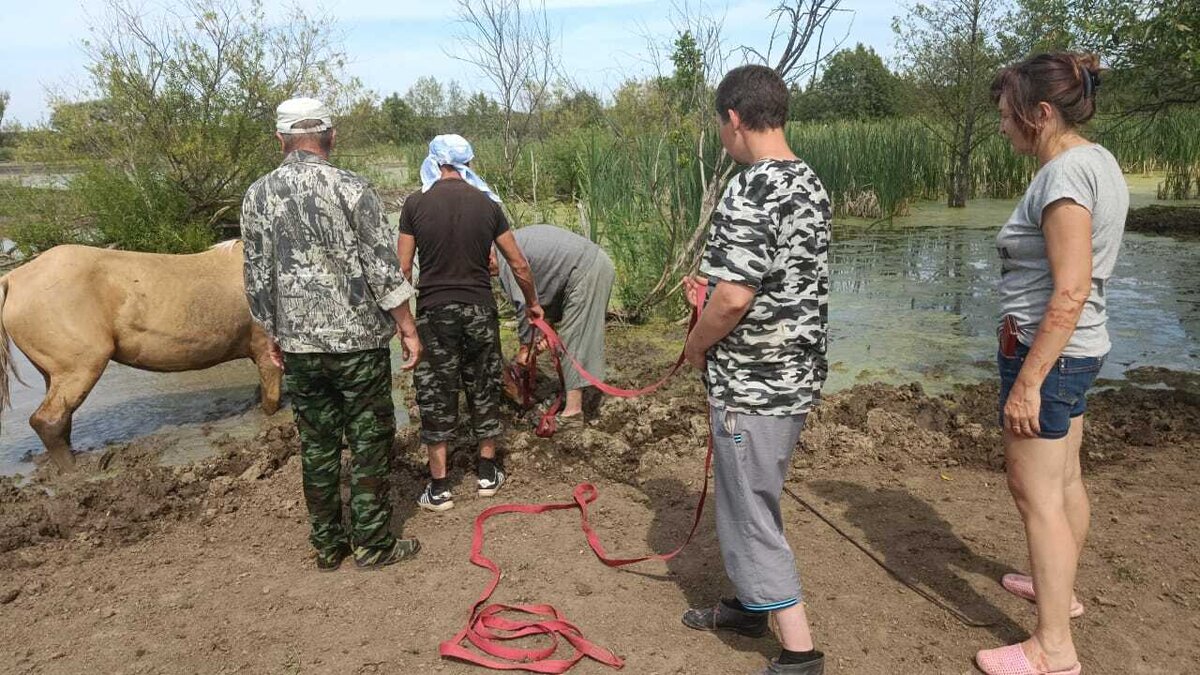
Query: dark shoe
(329, 562)
(403, 549)
(490, 485)
(431, 501)
(814, 667)
(724, 617)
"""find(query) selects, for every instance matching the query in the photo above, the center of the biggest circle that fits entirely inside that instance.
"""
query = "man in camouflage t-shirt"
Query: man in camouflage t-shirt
(761, 344)
(323, 279)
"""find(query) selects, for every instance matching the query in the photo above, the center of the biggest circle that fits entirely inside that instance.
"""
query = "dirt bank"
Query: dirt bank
(128, 566)
(1181, 222)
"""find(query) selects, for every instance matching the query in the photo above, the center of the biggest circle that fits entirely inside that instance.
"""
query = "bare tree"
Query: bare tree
(512, 44)
(797, 24)
(686, 174)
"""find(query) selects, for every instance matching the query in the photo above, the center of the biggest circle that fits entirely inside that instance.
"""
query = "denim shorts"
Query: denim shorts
(1064, 392)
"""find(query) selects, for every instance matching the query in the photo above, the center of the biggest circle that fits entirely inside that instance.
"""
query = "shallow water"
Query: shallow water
(915, 300)
(910, 300)
(193, 407)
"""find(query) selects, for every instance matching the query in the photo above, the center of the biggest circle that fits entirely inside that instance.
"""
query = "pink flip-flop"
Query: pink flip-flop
(1011, 660)
(1021, 585)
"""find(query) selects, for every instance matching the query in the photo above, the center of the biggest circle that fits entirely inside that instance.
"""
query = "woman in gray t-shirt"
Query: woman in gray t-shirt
(1058, 249)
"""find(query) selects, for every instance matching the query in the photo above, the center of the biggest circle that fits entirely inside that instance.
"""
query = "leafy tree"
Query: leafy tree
(363, 123)
(1153, 46)
(402, 124)
(855, 85)
(572, 112)
(950, 49)
(510, 43)
(686, 85)
(427, 98)
(640, 106)
(482, 117)
(184, 109)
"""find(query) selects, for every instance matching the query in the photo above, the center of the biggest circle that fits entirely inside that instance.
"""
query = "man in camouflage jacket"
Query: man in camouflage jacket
(323, 278)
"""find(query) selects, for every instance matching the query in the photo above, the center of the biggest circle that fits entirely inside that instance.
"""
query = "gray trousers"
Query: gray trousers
(585, 303)
(751, 458)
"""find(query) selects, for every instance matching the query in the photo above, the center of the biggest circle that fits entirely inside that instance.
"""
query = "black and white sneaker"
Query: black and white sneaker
(441, 501)
(490, 485)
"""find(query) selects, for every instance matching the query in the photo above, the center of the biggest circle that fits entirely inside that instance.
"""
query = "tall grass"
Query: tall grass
(1168, 143)
(641, 197)
(877, 169)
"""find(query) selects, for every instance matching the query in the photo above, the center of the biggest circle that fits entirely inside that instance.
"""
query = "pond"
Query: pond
(915, 300)
(910, 300)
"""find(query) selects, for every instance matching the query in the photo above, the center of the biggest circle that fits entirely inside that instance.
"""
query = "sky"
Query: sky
(392, 43)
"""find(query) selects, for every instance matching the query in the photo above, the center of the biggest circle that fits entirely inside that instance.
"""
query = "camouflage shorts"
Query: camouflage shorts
(461, 345)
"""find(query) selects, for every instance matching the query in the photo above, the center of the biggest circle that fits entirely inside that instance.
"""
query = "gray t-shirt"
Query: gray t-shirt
(1089, 176)
(553, 253)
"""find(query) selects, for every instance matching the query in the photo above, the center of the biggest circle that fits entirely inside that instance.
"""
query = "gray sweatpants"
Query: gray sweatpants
(751, 457)
(585, 303)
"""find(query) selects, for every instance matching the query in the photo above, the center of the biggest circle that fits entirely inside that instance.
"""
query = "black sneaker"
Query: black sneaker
(430, 501)
(403, 549)
(490, 485)
(725, 617)
(814, 667)
(329, 562)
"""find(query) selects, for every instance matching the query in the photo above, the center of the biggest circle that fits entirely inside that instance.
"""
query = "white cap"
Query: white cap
(296, 110)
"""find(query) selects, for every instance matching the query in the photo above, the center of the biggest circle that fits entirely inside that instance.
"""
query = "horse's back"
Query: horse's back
(153, 311)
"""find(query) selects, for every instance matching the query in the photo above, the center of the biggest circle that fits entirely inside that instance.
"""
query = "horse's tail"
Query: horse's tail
(5, 354)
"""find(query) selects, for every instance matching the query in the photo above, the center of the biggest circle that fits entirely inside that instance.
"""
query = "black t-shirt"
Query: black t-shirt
(454, 225)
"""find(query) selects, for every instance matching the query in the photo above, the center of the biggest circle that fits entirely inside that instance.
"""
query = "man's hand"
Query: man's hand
(1021, 410)
(535, 313)
(527, 350)
(694, 288)
(410, 345)
(275, 353)
(406, 328)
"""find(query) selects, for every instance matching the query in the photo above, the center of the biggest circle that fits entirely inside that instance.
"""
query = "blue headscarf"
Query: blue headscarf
(451, 150)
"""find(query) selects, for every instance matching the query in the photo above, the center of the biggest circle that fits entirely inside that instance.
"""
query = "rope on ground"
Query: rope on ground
(954, 611)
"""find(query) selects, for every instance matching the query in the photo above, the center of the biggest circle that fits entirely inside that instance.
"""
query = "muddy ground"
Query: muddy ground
(131, 567)
(1181, 222)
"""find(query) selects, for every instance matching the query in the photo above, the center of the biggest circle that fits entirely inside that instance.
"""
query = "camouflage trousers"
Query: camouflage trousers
(461, 345)
(336, 397)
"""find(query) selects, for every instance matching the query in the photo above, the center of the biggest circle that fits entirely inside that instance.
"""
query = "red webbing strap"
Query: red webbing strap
(487, 630)
(548, 423)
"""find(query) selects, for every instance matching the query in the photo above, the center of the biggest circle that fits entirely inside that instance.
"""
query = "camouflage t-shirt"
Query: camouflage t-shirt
(771, 232)
(321, 265)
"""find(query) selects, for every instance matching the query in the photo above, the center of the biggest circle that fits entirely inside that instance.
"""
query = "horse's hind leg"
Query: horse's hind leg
(65, 392)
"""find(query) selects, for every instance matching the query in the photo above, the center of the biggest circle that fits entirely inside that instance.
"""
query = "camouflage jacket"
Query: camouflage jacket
(771, 232)
(321, 265)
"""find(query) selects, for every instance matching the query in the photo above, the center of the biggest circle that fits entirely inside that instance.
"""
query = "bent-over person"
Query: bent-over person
(574, 283)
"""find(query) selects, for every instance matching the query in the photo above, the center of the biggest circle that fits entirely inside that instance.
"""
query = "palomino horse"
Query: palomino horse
(75, 308)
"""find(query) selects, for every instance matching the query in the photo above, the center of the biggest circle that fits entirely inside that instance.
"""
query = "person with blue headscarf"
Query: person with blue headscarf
(453, 222)
(452, 150)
